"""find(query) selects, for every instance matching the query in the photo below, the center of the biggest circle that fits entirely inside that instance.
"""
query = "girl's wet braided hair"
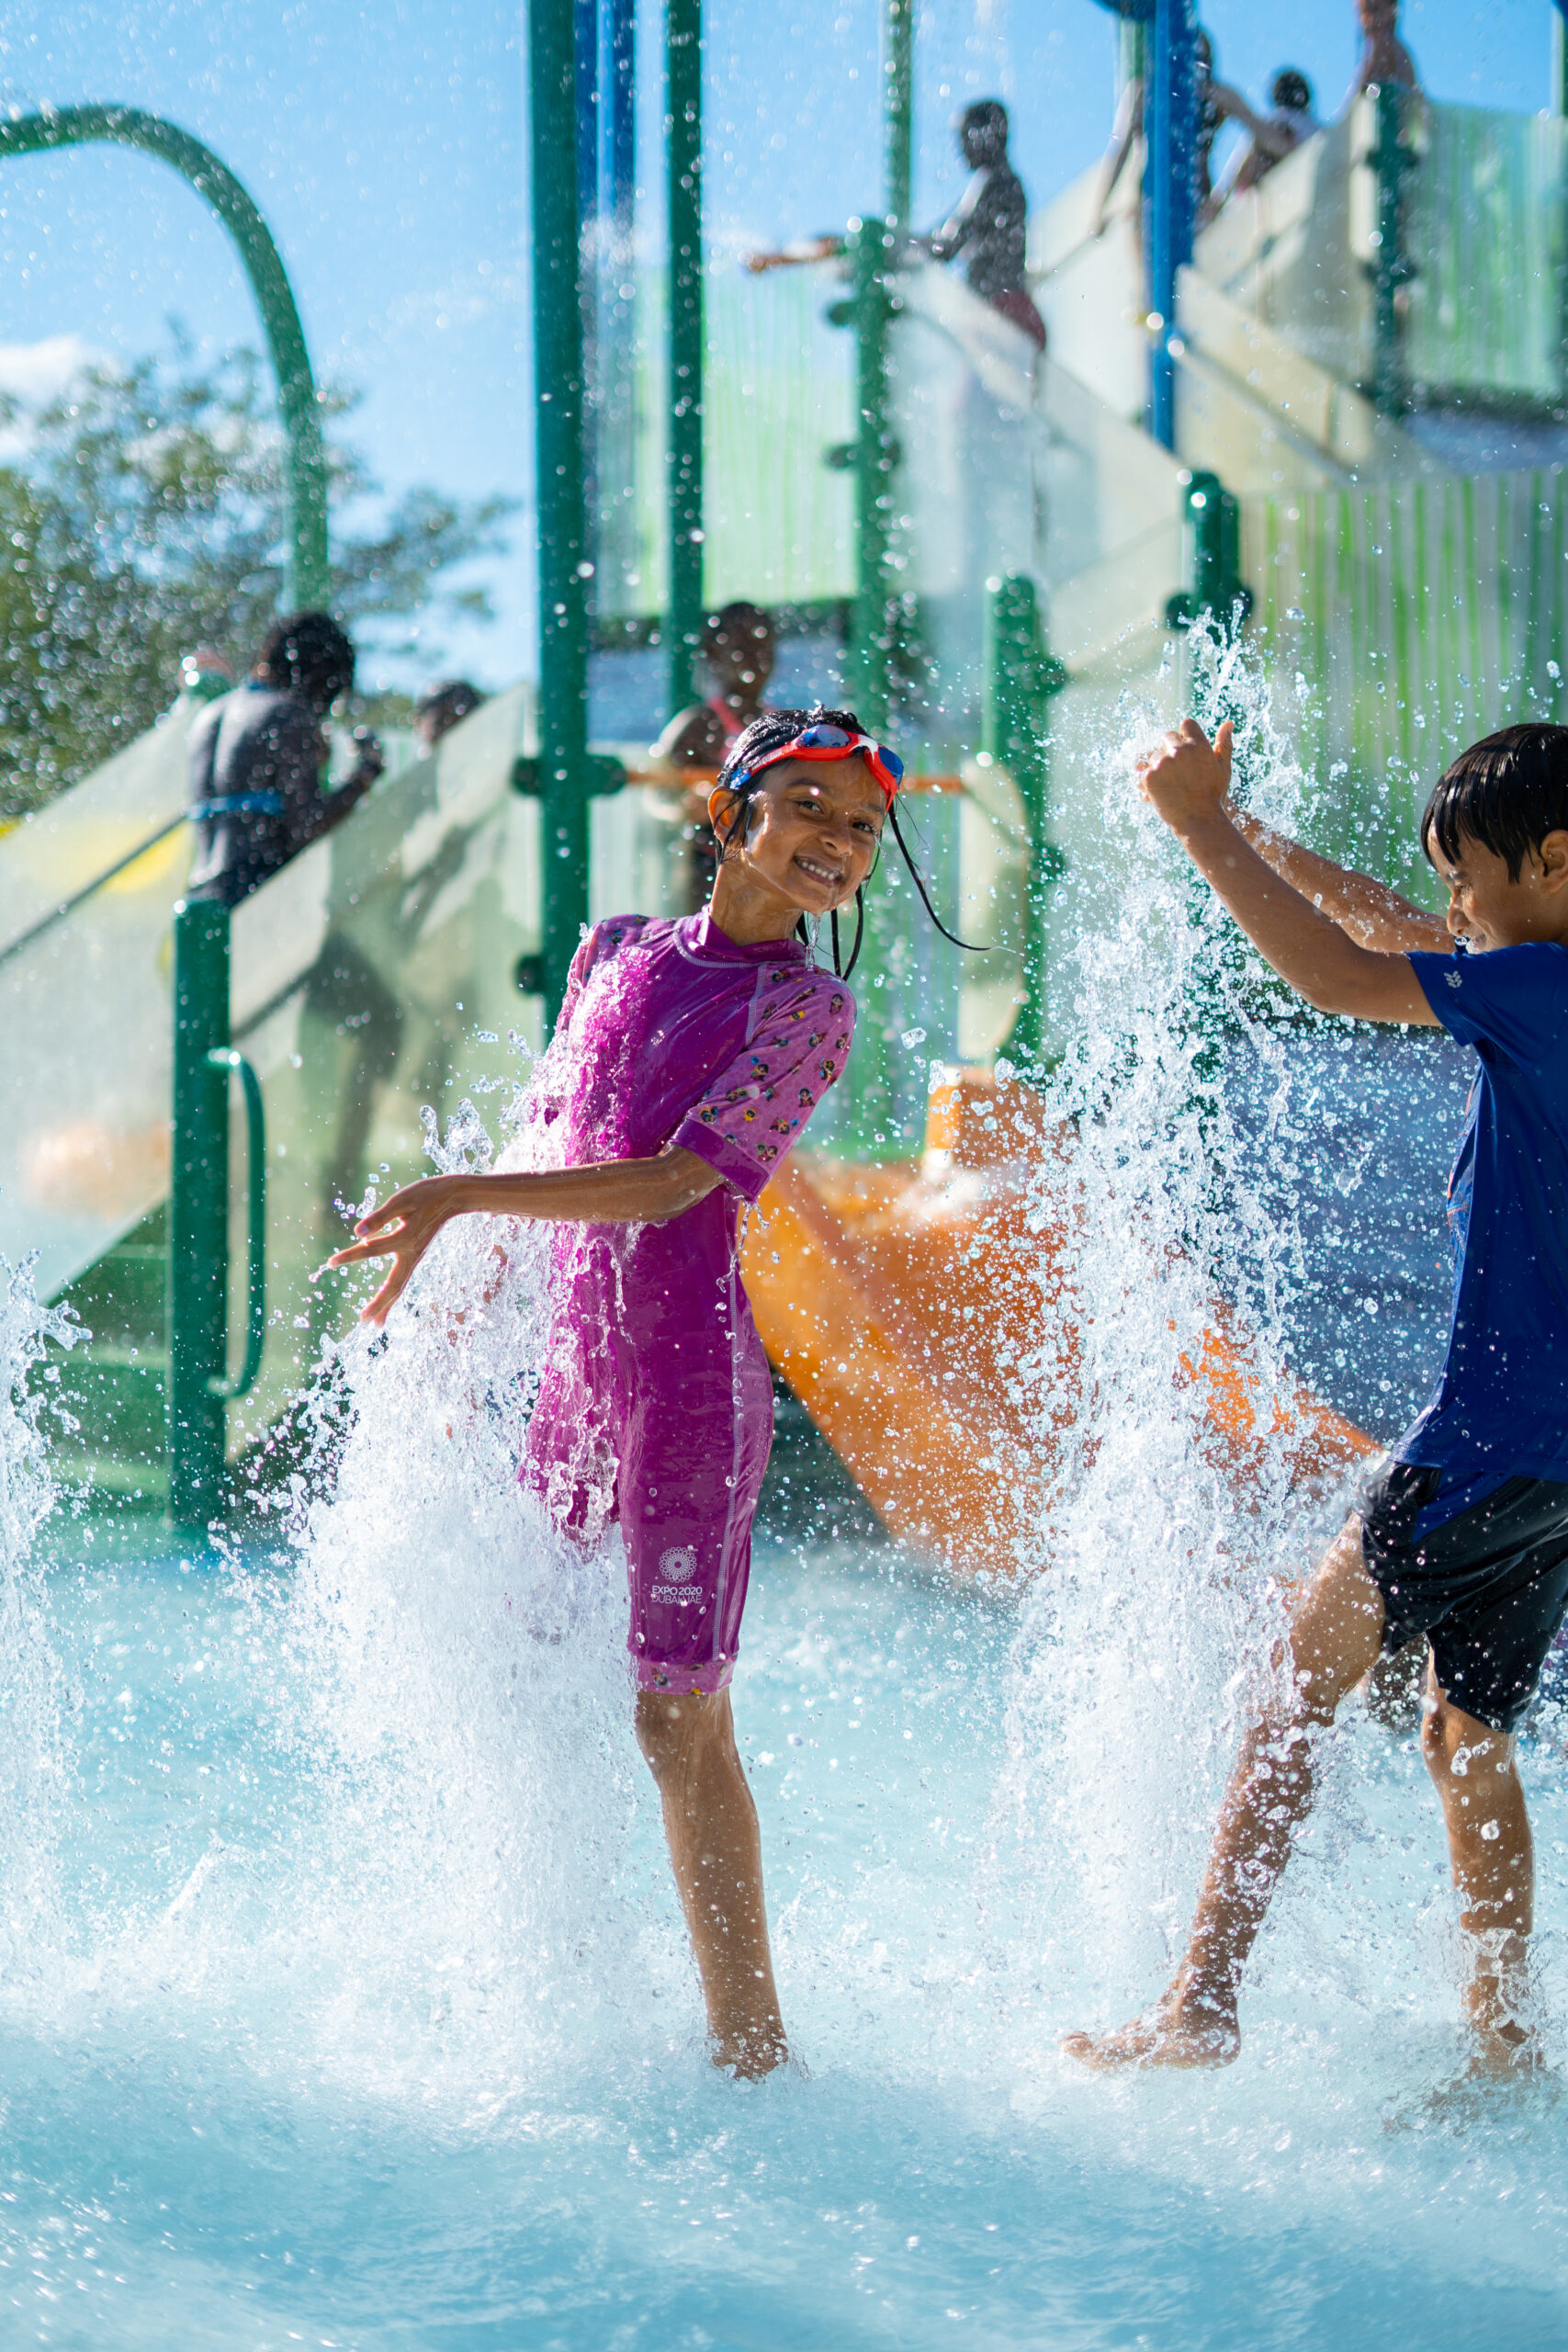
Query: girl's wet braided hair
(769, 733)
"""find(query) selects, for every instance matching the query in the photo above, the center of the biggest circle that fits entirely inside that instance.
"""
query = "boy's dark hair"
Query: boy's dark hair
(1291, 90)
(308, 654)
(1507, 792)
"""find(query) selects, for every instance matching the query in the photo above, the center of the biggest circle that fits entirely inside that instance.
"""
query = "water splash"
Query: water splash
(1158, 1620)
(458, 1686)
(31, 1744)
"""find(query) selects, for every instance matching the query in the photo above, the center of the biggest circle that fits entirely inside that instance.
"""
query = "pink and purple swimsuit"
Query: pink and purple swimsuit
(656, 1407)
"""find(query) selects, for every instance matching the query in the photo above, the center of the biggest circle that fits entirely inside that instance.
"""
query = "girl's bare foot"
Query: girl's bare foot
(1185, 2028)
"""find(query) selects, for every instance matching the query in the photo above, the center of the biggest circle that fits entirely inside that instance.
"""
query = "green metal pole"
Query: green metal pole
(198, 1292)
(1389, 159)
(1021, 677)
(874, 460)
(1218, 590)
(898, 92)
(306, 577)
(879, 1117)
(684, 134)
(563, 519)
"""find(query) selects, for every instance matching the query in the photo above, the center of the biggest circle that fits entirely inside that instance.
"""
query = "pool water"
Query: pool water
(252, 2101)
(343, 1994)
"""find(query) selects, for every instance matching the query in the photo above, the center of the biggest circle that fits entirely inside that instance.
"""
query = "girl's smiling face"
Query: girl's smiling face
(812, 839)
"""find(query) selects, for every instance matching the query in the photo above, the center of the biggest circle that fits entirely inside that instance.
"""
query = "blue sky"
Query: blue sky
(386, 148)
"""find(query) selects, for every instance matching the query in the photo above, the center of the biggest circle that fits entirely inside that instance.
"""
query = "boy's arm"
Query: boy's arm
(1374, 915)
(1186, 781)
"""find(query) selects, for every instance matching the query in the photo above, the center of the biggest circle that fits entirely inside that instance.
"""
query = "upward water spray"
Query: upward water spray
(1157, 1624)
(466, 1690)
(32, 1770)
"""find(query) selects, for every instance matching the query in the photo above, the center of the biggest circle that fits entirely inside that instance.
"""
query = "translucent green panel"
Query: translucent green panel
(84, 1013)
(373, 977)
(1485, 231)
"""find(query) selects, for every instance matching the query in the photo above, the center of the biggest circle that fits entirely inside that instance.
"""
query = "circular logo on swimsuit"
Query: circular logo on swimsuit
(679, 1565)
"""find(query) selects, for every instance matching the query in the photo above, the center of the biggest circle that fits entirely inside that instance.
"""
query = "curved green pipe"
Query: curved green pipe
(305, 478)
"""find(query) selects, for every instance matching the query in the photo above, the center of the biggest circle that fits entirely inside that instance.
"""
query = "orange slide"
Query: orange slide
(901, 1304)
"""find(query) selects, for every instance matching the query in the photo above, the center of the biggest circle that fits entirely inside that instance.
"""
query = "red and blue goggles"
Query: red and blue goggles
(832, 743)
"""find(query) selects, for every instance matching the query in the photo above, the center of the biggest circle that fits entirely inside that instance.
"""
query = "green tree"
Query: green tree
(145, 517)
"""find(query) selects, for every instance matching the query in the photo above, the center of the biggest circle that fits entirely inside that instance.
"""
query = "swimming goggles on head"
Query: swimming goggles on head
(832, 743)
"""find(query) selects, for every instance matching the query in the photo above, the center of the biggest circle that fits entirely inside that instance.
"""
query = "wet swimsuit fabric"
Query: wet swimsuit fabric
(1479, 1566)
(656, 1407)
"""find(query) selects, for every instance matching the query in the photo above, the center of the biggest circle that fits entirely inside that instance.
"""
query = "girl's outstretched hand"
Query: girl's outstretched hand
(402, 1229)
(1189, 777)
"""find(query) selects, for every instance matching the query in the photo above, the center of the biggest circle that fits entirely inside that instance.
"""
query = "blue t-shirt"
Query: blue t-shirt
(1501, 1402)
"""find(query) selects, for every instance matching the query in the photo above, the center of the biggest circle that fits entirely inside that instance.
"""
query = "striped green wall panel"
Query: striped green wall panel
(1418, 615)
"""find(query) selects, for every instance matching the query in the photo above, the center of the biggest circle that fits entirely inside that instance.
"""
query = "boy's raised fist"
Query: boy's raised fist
(1188, 777)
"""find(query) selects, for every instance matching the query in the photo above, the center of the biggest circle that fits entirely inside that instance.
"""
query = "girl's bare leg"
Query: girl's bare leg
(1476, 1774)
(717, 1851)
(1335, 1634)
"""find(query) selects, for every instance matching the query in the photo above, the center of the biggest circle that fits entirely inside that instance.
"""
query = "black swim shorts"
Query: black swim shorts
(1488, 1586)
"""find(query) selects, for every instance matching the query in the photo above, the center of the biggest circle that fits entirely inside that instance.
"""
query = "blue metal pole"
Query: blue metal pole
(1170, 128)
(684, 137)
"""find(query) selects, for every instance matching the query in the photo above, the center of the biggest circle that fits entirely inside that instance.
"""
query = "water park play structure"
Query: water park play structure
(1301, 415)
(345, 1998)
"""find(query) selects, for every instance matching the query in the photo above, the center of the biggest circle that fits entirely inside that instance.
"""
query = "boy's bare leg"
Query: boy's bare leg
(717, 1851)
(1476, 1774)
(1334, 1636)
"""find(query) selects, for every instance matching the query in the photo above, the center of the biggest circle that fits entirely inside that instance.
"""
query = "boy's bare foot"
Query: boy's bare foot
(1504, 2051)
(1184, 2029)
(747, 2059)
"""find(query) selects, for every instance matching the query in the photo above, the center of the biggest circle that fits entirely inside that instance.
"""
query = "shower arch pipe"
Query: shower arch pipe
(305, 582)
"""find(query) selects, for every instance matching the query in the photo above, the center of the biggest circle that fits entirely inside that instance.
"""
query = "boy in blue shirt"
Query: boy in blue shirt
(1463, 1535)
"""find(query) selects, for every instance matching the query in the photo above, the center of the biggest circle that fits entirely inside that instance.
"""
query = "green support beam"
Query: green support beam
(1391, 158)
(564, 563)
(306, 578)
(874, 458)
(898, 107)
(877, 1118)
(196, 1281)
(1020, 678)
(683, 135)
(1218, 591)
(198, 1218)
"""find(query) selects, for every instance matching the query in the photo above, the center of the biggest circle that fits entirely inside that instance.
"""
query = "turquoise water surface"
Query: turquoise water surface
(249, 2101)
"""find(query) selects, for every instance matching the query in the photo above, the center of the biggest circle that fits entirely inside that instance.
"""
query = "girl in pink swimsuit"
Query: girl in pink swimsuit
(686, 1061)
